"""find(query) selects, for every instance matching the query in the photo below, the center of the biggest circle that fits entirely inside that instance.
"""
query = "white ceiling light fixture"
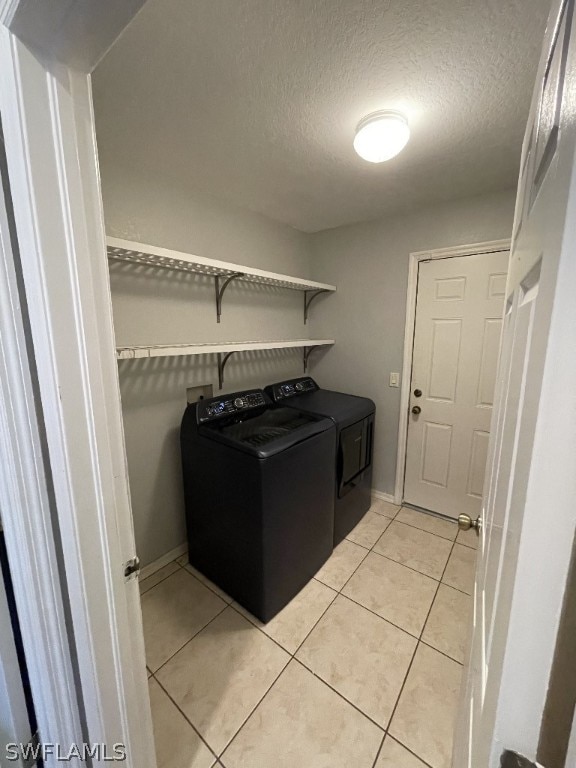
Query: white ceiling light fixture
(381, 135)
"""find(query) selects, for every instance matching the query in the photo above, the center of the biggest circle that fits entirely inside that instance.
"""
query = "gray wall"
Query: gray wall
(153, 306)
(369, 264)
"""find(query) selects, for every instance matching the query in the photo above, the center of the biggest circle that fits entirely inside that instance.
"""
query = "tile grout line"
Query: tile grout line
(341, 696)
(415, 637)
(292, 656)
(442, 653)
(315, 577)
(260, 700)
(409, 525)
(353, 572)
(212, 589)
(379, 750)
(421, 759)
(389, 621)
(416, 528)
(185, 716)
(190, 639)
(391, 719)
(228, 605)
(434, 517)
(340, 591)
(415, 570)
(161, 580)
(378, 616)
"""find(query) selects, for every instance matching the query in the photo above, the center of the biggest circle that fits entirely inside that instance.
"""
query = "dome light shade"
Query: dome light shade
(381, 136)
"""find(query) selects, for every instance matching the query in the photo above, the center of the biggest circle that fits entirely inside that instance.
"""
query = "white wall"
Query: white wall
(369, 264)
(154, 306)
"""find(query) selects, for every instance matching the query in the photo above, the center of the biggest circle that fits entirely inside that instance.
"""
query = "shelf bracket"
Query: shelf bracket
(222, 360)
(309, 299)
(220, 291)
(306, 356)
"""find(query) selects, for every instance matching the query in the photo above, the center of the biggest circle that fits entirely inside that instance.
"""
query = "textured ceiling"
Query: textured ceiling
(256, 101)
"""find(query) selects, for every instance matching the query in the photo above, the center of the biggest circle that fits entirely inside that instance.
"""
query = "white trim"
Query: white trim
(384, 496)
(75, 32)
(26, 518)
(8, 10)
(52, 160)
(161, 562)
(415, 258)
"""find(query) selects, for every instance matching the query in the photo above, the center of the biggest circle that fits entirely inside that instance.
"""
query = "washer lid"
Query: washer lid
(269, 433)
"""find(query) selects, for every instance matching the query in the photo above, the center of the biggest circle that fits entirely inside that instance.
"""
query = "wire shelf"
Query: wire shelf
(150, 255)
(209, 348)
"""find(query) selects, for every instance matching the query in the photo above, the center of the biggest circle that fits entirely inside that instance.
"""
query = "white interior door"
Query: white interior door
(529, 509)
(459, 308)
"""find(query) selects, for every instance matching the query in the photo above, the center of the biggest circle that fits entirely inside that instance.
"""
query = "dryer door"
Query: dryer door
(353, 454)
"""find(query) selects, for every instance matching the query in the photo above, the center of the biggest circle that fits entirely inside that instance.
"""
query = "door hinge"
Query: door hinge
(132, 567)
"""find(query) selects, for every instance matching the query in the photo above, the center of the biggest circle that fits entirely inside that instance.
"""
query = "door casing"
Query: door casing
(72, 137)
(45, 101)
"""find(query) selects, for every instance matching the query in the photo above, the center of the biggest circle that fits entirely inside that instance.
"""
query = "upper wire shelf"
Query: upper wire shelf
(223, 272)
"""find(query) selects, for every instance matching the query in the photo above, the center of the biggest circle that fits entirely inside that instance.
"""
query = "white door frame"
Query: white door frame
(46, 106)
(26, 519)
(489, 246)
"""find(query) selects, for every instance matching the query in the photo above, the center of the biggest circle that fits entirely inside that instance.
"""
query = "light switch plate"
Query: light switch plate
(394, 379)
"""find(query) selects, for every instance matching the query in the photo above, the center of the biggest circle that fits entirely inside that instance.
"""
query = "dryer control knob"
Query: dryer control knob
(239, 402)
(299, 386)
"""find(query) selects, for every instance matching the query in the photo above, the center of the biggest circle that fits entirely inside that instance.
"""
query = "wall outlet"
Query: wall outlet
(201, 392)
(394, 380)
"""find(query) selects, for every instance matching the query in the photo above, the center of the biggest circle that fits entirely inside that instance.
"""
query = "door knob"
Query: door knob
(416, 410)
(465, 522)
(417, 393)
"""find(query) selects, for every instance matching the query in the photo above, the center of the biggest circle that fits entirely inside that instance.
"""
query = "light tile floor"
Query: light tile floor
(361, 669)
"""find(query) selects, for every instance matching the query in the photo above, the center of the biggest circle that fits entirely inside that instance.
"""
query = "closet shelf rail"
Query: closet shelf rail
(223, 350)
(153, 256)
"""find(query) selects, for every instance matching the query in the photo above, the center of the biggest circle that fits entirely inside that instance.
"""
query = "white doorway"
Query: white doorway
(453, 336)
(57, 158)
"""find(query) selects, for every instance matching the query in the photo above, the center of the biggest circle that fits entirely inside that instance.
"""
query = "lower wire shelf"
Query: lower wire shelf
(223, 349)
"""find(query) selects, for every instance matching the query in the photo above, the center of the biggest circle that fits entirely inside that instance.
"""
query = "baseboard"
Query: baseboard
(151, 568)
(384, 496)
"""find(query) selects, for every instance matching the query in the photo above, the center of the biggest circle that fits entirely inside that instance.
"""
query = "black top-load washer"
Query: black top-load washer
(354, 420)
(258, 484)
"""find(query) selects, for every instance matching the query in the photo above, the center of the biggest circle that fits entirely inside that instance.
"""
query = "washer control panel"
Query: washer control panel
(230, 405)
(291, 388)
